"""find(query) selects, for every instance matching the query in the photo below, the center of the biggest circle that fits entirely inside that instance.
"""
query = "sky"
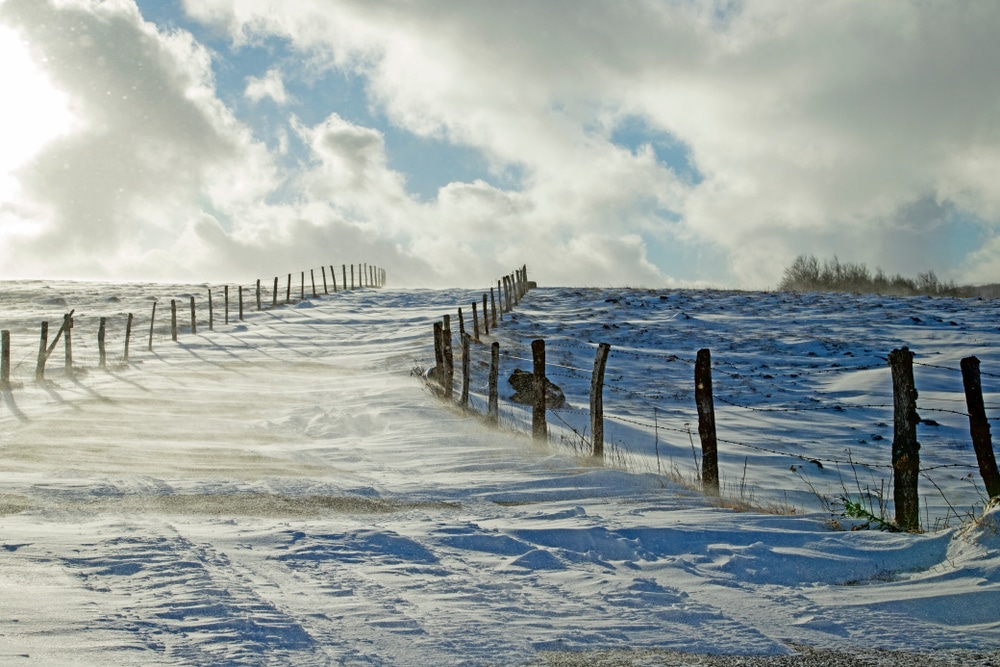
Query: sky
(652, 144)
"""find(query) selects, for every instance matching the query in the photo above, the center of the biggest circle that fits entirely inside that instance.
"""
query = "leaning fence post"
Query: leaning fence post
(466, 338)
(128, 336)
(905, 448)
(312, 277)
(979, 426)
(539, 430)
(475, 321)
(597, 400)
(439, 353)
(42, 352)
(5, 360)
(493, 409)
(194, 321)
(706, 422)
(461, 323)
(449, 358)
(101, 349)
(152, 320)
(333, 278)
(325, 290)
(173, 319)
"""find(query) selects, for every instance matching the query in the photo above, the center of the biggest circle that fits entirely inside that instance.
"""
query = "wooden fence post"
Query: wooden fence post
(173, 319)
(288, 290)
(333, 277)
(449, 358)
(211, 312)
(905, 448)
(42, 352)
(258, 295)
(597, 401)
(493, 409)
(475, 321)
(274, 293)
(5, 359)
(979, 426)
(486, 317)
(706, 422)
(439, 353)
(227, 303)
(466, 338)
(499, 296)
(302, 286)
(325, 290)
(128, 336)
(240, 289)
(343, 267)
(152, 320)
(68, 339)
(461, 323)
(352, 276)
(101, 349)
(539, 429)
(194, 321)
(312, 278)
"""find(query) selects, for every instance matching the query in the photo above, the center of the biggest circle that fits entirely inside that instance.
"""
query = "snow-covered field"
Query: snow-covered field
(285, 490)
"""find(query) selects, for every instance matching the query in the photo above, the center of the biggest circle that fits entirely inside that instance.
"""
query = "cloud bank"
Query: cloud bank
(765, 130)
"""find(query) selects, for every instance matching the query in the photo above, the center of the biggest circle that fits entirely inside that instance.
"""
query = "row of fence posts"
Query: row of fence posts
(367, 276)
(905, 448)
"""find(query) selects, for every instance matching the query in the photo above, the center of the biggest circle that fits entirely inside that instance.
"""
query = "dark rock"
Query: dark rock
(524, 393)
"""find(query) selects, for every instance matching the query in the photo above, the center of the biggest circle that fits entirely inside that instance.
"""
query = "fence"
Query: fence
(904, 463)
(186, 314)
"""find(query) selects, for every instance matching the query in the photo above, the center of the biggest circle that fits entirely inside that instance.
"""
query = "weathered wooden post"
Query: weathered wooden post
(493, 407)
(152, 321)
(211, 312)
(449, 358)
(539, 429)
(506, 294)
(905, 448)
(194, 321)
(333, 278)
(101, 349)
(226, 290)
(128, 336)
(274, 293)
(475, 321)
(486, 317)
(352, 276)
(241, 302)
(173, 319)
(597, 401)
(500, 296)
(42, 352)
(259, 306)
(325, 290)
(302, 286)
(312, 278)
(288, 290)
(461, 323)
(68, 339)
(5, 359)
(466, 338)
(343, 267)
(706, 422)
(979, 426)
(439, 353)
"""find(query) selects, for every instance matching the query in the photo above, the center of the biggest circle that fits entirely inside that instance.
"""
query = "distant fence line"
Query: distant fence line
(353, 277)
(905, 461)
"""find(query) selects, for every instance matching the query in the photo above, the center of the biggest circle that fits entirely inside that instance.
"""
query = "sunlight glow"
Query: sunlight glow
(34, 111)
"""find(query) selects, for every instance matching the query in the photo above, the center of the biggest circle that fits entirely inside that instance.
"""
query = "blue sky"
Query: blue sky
(657, 144)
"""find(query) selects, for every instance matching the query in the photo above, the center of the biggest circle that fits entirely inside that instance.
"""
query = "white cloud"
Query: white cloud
(270, 86)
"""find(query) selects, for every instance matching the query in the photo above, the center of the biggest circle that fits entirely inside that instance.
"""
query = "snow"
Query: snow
(286, 490)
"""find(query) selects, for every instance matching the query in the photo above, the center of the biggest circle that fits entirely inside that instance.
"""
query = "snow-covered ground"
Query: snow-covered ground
(285, 490)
